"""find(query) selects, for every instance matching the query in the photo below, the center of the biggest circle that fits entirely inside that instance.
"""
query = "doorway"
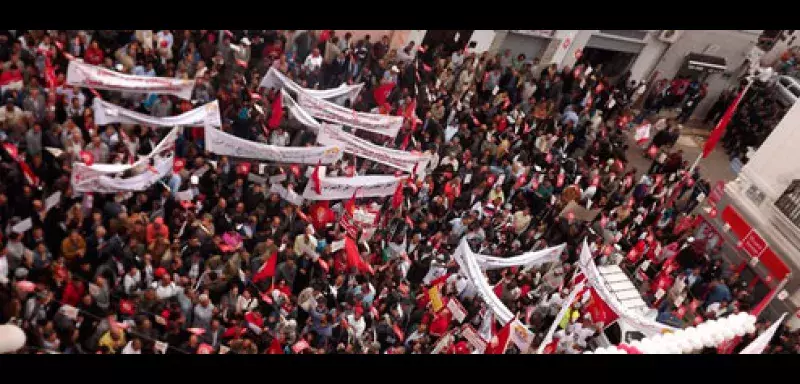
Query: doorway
(448, 41)
(615, 63)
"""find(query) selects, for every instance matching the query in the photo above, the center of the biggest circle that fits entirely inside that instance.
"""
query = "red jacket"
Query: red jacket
(72, 294)
(94, 56)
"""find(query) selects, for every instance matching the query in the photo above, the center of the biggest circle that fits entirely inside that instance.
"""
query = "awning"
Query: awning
(708, 63)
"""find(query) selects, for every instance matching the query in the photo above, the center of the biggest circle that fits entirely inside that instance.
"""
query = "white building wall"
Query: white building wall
(483, 39)
(648, 58)
(733, 45)
(777, 162)
(578, 42)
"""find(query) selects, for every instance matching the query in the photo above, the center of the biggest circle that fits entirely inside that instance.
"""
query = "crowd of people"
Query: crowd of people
(521, 150)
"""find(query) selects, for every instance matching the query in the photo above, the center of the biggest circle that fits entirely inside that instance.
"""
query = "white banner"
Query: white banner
(82, 172)
(107, 113)
(84, 75)
(329, 134)
(140, 182)
(469, 268)
(526, 259)
(595, 280)
(298, 113)
(226, 144)
(381, 124)
(567, 304)
(339, 188)
(287, 194)
(760, 343)
(277, 80)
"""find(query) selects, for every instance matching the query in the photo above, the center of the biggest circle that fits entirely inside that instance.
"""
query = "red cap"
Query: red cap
(359, 310)
(160, 271)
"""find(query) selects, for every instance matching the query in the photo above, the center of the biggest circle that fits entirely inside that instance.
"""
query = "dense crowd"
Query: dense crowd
(525, 155)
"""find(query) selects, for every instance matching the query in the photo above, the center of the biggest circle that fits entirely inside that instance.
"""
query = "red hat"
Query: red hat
(359, 310)
(160, 271)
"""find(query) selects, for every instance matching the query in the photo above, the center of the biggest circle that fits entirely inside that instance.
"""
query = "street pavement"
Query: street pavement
(716, 167)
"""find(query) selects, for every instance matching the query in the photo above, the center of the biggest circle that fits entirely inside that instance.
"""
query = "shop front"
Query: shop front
(752, 257)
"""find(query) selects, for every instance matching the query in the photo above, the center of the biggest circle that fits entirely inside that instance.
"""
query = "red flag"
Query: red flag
(12, 150)
(321, 214)
(382, 93)
(716, 134)
(350, 205)
(277, 113)
(599, 310)
(354, 256)
(499, 342)
(397, 199)
(315, 178)
(406, 139)
(243, 168)
(267, 270)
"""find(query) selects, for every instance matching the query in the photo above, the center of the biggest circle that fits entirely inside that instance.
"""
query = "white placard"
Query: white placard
(23, 226)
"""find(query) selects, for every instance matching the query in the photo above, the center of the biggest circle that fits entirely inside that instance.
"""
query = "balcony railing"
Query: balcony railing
(789, 203)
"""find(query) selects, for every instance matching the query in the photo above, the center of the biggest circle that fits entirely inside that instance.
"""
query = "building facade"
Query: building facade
(760, 213)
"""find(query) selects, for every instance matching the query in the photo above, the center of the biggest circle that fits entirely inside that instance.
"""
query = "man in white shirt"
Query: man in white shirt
(356, 321)
(130, 283)
(313, 61)
(166, 288)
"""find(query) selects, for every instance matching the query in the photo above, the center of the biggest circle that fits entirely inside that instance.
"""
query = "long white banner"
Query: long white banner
(405, 161)
(142, 181)
(381, 124)
(92, 76)
(567, 304)
(107, 113)
(526, 259)
(469, 267)
(339, 188)
(276, 79)
(595, 280)
(82, 172)
(226, 144)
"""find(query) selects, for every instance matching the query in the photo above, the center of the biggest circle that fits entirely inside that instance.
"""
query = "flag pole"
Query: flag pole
(739, 100)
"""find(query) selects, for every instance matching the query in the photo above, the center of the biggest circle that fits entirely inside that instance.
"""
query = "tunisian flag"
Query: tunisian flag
(277, 113)
(499, 342)
(354, 256)
(382, 93)
(599, 310)
(716, 134)
(267, 270)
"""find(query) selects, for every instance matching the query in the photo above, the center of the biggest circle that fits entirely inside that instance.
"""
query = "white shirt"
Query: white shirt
(243, 305)
(129, 282)
(167, 292)
(357, 325)
(128, 350)
(313, 63)
(3, 270)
